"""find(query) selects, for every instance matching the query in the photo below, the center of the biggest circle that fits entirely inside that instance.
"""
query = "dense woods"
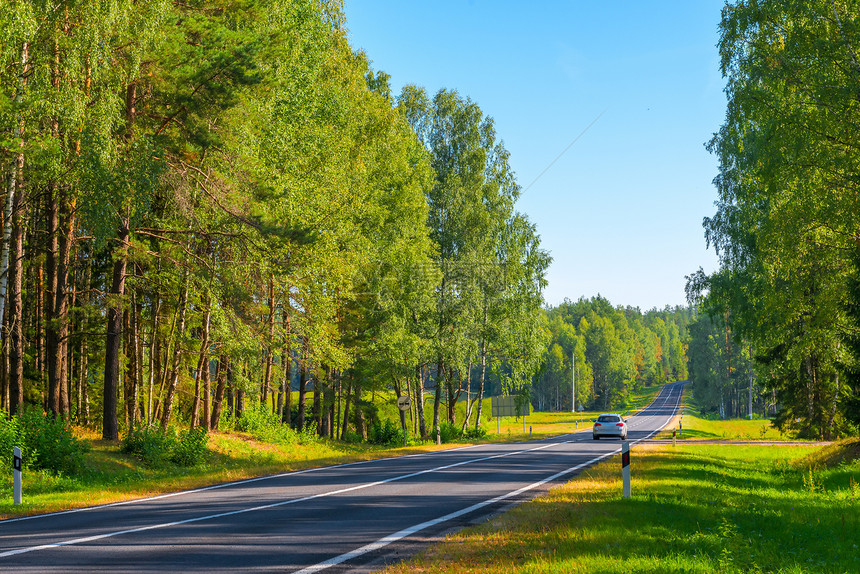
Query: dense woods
(209, 204)
(781, 317)
(613, 350)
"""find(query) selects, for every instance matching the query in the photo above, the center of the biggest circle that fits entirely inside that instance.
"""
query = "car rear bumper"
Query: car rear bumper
(610, 433)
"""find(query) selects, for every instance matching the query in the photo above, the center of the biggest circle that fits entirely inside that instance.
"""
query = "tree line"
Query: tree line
(208, 204)
(607, 352)
(782, 313)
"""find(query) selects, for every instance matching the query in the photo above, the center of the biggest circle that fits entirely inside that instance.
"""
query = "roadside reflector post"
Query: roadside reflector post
(673, 436)
(16, 471)
(625, 468)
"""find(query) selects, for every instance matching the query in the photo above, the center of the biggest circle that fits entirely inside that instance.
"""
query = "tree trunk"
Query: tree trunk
(110, 429)
(220, 385)
(344, 426)
(131, 373)
(287, 364)
(52, 351)
(451, 396)
(480, 396)
(360, 426)
(154, 356)
(437, 395)
(16, 318)
(419, 402)
(202, 382)
(167, 411)
(270, 344)
(303, 381)
(316, 407)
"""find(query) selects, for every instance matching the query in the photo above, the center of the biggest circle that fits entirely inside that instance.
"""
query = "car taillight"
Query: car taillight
(620, 425)
(597, 424)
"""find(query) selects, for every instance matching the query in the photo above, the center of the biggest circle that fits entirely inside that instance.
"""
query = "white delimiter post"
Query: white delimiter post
(16, 471)
(625, 468)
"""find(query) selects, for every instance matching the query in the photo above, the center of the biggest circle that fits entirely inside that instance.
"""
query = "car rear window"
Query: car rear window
(608, 419)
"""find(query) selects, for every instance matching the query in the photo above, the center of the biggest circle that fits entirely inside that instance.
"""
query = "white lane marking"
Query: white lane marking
(233, 483)
(382, 542)
(267, 506)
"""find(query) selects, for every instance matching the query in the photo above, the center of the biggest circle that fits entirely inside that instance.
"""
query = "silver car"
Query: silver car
(609, 424)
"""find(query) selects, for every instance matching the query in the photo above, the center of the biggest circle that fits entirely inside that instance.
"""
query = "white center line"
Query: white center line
(266, 506)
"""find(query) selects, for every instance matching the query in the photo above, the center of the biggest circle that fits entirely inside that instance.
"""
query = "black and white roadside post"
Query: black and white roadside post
(16, 471)
(625, 468)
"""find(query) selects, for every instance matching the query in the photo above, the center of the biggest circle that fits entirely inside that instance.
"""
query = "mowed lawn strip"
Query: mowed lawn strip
(695, 508)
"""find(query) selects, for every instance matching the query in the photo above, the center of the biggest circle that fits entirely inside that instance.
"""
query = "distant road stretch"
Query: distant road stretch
(355, 516)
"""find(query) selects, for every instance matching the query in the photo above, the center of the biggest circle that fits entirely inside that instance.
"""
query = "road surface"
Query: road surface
(351, 517)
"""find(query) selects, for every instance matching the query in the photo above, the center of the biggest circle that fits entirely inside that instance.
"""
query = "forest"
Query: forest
(210, 204)
(606, 352)
(779, 321)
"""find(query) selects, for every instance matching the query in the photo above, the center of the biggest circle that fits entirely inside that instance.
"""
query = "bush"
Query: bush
(266, 426)
(151, 444)
(385, 432)
(156, 446)
(190, 449)
(448, 432)
(9, 433)
(47, 443)
(473, 433)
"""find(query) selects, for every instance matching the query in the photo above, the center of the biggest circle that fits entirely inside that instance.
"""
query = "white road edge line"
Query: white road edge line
(382, 542)
(265, 506)
(391, 538)
(233, 483)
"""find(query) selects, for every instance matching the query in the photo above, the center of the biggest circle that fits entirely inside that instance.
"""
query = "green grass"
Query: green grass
(694, 509)
(696, 426)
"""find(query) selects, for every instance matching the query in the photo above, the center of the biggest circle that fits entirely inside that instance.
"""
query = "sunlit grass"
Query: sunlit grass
(692, 425)
(695, 508)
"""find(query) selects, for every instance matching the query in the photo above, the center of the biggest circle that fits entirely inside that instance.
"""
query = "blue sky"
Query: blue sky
(621, 211)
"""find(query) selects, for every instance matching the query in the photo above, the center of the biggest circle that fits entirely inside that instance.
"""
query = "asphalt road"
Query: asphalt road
(352, 517)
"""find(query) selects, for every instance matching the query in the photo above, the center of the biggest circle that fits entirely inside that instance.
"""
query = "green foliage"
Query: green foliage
(385, 432)
(153, 445)
(787, 212)
(156, 446)
(46, 442)
(190, 447)
(266, 426)
(615, 350)
(10, 437)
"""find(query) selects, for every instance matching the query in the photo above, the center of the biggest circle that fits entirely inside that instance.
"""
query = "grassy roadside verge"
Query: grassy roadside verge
(696, 426)
(695, 508)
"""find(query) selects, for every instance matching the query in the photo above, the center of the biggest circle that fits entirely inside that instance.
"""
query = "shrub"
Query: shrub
(266, 426)
(150, 443)
(47, 443)
(385, 432)
(9, 438)
(473, 433)
(156, 446)
(449, 432)
(190, 448)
